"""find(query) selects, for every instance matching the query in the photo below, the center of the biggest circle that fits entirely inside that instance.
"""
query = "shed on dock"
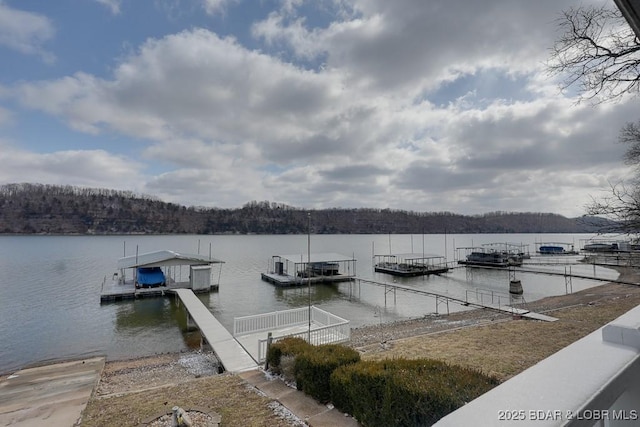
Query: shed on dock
(295, 270)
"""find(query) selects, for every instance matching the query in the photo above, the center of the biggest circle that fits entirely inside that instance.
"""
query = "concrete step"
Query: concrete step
(304, 407)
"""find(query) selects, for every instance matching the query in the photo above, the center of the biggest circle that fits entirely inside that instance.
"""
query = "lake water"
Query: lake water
(50, 288)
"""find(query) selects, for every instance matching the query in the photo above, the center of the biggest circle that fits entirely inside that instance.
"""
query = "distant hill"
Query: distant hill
(50, 209)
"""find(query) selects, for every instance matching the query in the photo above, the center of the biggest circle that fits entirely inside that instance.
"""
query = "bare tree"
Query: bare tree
(630, 135)
(599, 55)
(622, 207)
(597, 52)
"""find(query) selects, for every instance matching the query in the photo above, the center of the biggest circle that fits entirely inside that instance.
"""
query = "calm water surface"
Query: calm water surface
(50, 288)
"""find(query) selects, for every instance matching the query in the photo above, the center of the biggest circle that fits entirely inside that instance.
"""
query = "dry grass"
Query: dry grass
(495, 346)
(505, 348)
(227, 395)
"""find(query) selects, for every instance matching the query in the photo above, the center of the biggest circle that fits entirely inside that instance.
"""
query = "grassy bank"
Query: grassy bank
(494, 344)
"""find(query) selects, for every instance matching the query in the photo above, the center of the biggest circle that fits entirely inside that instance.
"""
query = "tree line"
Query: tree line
(51, 209)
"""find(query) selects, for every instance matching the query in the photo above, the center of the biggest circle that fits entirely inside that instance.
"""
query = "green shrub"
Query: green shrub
(313, 368)
(405, 392)
(284, 347)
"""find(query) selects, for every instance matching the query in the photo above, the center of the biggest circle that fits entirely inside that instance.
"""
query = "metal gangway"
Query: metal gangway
(484, 299)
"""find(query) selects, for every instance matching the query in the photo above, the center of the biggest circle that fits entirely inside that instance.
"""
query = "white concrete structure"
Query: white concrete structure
(592, 382)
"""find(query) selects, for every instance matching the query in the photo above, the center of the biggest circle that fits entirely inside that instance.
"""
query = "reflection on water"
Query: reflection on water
(299, 296)
(50, 287)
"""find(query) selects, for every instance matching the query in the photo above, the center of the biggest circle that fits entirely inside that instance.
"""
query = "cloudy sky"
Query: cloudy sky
(434, 105)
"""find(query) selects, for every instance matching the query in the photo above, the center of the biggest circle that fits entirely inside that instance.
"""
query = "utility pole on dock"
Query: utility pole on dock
(309, 271)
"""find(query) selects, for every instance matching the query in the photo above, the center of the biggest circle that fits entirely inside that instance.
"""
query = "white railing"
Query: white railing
(269, 321)
(283, 319)
(324, 327)
(331, 334)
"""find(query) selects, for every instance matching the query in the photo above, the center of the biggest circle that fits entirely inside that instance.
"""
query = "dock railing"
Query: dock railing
(326, 327)
(500, 300)
(324, 335)
(270, 321)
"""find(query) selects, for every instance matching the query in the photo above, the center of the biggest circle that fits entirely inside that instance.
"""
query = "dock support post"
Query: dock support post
(190, 324)
(269, 342)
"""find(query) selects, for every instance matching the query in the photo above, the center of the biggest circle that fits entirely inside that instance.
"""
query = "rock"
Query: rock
(180, 418)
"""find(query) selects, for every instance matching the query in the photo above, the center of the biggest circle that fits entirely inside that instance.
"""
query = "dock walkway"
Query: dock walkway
(504, 309)
(230, 353)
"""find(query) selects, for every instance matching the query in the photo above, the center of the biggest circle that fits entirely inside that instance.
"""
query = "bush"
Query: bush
(405, 392)
(284, 347)
(313, 368)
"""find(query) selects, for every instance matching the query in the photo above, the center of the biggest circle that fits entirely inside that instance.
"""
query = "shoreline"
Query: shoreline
(431, 324)
(149, 384)
(363, 336)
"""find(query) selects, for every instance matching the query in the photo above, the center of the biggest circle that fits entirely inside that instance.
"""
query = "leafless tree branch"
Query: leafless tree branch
(597, 52)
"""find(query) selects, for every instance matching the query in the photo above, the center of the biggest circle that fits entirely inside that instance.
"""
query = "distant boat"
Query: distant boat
(495, 255)
(608, 246)
(487, 259)
(554, 248)
(150, 277)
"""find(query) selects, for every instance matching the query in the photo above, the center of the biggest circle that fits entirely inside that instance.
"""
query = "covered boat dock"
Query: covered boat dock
(177, 270)
(407, 265)
(556, 248)
(297, 270)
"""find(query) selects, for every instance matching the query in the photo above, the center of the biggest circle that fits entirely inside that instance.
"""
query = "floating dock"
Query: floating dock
(115, 291)
(410, 265)
(169, 264)
(299, 270)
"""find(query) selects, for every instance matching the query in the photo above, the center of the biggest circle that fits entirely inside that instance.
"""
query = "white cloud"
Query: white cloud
(25, 32)
(213, 7)
(113, 5)
(231, 124)
(410, 46)
(90, 168)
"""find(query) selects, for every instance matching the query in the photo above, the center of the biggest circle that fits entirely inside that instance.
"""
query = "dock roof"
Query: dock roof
(319, 257)
(411, 256)
(165, 258)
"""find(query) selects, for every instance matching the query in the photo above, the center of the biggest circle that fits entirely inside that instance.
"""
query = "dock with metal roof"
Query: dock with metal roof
(300, 269)
(410, 264)
(233, 357)
(197, 275)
